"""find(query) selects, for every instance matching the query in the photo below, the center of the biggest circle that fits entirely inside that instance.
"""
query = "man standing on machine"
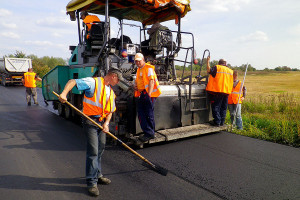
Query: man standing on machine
(147, 90)
(219, 87)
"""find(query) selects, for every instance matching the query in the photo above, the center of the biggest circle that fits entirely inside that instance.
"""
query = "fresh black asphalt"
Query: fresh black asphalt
(43, 157)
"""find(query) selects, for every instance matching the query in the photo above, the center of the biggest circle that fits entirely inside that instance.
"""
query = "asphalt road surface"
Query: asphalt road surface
(43, 157)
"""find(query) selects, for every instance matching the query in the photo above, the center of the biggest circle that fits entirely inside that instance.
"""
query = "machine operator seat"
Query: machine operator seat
(159, 39)
(96, 34)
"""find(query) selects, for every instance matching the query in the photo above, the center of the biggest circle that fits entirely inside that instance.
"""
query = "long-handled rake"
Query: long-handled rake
(156, 168)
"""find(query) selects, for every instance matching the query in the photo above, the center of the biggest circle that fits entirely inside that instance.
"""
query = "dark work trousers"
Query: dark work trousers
(219, 102)
(146, 113)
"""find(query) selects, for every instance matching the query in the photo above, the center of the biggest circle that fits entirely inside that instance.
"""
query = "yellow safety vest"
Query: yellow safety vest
(98, 104)
(29, 79)
(144, 71)
(222, 82)
(234, 96)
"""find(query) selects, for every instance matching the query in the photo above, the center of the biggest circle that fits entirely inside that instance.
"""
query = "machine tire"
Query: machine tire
(60, 109)
(67, 112)
(3, 81)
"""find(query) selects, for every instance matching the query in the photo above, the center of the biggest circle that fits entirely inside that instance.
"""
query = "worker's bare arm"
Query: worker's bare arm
(106, 123)
(63, 96)
(151, 86)
(207, 64)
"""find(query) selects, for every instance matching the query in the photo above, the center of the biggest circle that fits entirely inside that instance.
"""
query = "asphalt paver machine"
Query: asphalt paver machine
(182, 110)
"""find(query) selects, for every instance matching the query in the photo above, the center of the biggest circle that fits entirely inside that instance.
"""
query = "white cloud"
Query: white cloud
(57, 35)
(4, 12)
(9, 25)
(10, 35)
(44, 44)
(258, 36)
(39, 43)
(218, 5)
(54, 22)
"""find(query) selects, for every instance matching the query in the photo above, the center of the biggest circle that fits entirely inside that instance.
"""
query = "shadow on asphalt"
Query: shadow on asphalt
(44, 184)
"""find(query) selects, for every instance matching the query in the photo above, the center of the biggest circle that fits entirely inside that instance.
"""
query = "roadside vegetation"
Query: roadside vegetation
(271, 110)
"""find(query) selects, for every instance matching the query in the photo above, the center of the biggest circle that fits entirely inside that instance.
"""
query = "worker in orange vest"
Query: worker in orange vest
(219, 87)
(98, 104)
(233, 105)
(88, 20)
(147, 89)
(29, 81)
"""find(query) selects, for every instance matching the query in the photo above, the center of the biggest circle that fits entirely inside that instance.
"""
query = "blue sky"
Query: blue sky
(263, 33)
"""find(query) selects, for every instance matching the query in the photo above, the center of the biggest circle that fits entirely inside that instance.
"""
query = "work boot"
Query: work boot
(93, 191)
(145, 138)
(104, 181)
(29, 103)
(213, 123)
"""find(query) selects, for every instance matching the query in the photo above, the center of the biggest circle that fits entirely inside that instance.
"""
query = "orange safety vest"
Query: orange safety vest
(234, 96)
(98, 104)
(143, 72)
(222, 82)
(90, 19)
(29, 79)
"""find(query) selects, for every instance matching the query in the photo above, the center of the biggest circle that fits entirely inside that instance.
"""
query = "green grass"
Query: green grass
(274, 118)
(271, 110)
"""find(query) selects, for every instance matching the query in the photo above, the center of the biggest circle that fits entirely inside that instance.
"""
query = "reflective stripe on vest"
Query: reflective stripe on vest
(222, 82)
(234, 96)
(144, 70)
(29, 79)
(98, 104)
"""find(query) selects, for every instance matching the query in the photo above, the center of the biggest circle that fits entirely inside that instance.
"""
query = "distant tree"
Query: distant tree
(267, 69)
(18, 54)
(250, 68)
(39, 67)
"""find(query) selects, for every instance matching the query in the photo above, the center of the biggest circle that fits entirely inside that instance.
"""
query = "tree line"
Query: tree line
(239, 68)
(42, 65)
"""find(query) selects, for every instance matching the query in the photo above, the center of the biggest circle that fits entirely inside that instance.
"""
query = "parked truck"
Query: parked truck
(13, 69)
(182, 110)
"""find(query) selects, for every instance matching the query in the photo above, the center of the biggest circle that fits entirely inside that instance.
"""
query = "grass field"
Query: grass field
(271, 110)
(272, 83)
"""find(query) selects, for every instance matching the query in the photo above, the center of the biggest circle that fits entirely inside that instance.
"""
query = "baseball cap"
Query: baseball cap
(85, 13)
(138, 56)
(117, 72)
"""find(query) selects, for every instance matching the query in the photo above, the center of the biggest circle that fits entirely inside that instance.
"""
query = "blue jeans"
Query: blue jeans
(146, 113)
(95, 145)
(219, 102)
(238, 121)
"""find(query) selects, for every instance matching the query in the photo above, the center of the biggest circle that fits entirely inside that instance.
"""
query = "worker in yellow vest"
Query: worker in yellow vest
(29, 81)
(235, 107)
(147, 89)
(98, 104)
(219, 87)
